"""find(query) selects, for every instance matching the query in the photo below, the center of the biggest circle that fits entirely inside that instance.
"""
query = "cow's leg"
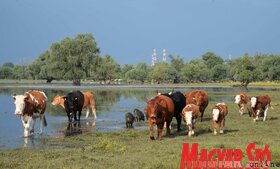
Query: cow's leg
(215, 127)
(43, 122)
(87, 112)
(26, 125)
(32, 123)
(202, 112)
(93, 112)
(75, 115)
(189, 127)
(257, 115)
(160, 129)
(265, 113)
(179, 121)
(193, 122)
(222, 125)
(152, 132)
(241, 110)
(168, 132)
(80, 112)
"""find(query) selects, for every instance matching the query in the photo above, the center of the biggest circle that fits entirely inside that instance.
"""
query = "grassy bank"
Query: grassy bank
(132, 148)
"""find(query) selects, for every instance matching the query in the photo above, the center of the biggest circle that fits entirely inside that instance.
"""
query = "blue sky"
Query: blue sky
(129, 30)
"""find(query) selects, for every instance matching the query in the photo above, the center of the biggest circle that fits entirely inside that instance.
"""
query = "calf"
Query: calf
(259, 106)
(129, 120)
(242, 100)
(88, 104)
(199, 98)
(30, 106)
(179, 101)
(139, 115)
(190, 113)
(73, 102)
(219, 112)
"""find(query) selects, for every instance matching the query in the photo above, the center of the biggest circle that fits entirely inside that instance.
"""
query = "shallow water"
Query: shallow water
(111, 105)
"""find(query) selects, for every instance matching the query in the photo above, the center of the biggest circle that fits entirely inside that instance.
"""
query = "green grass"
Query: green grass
(133, 149)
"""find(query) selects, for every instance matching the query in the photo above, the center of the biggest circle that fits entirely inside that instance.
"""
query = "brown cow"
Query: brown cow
(259, 106)
(219, 113)
(88, 103)
(159, 110)
(30, 106)
(190, 113)
(242, 100)
(199, 98)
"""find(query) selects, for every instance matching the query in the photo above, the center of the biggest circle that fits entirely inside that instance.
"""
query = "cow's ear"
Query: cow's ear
(26, 96)
(147, 100)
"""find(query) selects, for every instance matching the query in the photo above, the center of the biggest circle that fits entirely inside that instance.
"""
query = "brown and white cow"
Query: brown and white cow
(259, 107)
(88, 103)
(30, 106)
(190, 113)
(199, 98)
(219, 113)
(242, 100)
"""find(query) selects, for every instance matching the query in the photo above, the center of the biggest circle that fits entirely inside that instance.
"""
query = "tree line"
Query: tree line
(79, 58)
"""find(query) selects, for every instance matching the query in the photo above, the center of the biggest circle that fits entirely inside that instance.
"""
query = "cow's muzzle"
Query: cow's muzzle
(18, 113)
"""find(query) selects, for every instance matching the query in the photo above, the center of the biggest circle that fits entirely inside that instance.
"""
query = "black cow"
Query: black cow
(74, 102)
(129, 119)
(139, 115)
(179, 101)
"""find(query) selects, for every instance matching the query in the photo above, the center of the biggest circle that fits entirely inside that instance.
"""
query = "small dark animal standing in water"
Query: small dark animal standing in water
(129, 119)
(139, 115)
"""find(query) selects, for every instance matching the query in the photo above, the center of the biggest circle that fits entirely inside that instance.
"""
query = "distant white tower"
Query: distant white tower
(164, 55)
(154, 57)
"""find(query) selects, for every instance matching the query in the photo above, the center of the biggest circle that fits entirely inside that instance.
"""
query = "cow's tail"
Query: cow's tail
(44, 121)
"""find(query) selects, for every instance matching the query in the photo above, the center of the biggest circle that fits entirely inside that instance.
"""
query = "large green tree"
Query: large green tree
(177, 63)
(195, 71)
(162, 72)
(245, 71)
(107, 69)
(72, 58)
(125, 69)
(211, 59)
(139, 73)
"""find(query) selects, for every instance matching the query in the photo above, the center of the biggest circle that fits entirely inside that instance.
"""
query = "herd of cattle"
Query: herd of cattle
(159, 111)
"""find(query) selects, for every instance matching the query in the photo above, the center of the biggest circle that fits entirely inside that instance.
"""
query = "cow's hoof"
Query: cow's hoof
(152, 138)
(221, 131)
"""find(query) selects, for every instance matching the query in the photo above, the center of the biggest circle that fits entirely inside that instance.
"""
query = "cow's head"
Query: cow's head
(20, 102)
(215, 114)
(188, 117)
(70, 102)
(154, 110)
(58, 100)
(237, 99)
(253, 102)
